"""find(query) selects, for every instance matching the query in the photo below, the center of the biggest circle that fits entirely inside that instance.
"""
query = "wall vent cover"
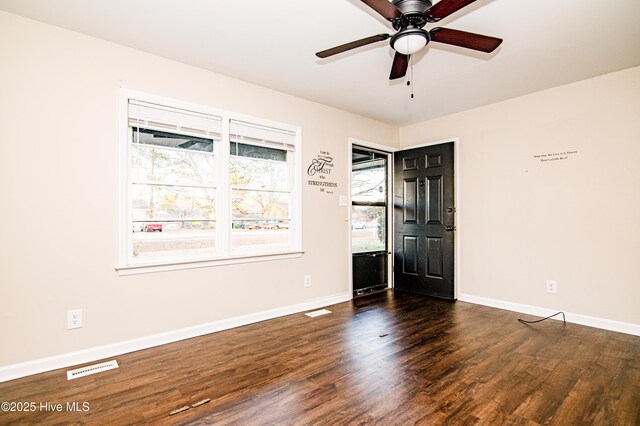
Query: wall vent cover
(91, 369)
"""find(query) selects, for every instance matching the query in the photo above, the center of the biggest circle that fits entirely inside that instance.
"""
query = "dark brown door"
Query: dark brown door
(424, 221)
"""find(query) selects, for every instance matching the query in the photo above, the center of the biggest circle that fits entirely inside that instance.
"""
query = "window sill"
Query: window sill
(124, 270)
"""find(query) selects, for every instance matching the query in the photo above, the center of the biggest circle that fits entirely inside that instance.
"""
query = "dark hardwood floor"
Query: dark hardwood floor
(437, 362)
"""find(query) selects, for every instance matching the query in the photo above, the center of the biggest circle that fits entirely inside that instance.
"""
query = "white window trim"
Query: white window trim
(224, 255)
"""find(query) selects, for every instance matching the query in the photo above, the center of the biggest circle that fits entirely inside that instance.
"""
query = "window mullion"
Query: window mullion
(223, 208)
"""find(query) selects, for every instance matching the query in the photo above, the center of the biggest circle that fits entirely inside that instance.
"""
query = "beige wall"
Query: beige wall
(577, 221)
(521, 221)
(59, 174)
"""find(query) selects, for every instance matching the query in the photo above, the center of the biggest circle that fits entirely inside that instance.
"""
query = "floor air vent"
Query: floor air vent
(91, 369)
(318, 313)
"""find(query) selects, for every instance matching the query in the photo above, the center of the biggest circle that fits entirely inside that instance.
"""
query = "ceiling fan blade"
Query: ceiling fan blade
(384, 8)
(464, 39)
(445, 8)
(351, 45)
(399, 67)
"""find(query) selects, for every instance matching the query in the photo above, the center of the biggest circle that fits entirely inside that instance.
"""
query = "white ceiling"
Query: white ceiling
(272, 43)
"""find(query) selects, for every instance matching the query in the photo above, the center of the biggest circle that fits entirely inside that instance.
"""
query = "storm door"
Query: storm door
(369, 221)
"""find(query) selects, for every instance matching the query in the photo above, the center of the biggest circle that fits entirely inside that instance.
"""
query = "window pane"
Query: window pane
(368, 229)
(260, 234)
(260, 204)
(171, 140)
(260, 152)
(368, 181)
(156, 202)
(170, 166)
(175, 239)
(250, 173)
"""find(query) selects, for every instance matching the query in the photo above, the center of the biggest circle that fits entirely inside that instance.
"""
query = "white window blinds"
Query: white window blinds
(158, 117)
(255, 134)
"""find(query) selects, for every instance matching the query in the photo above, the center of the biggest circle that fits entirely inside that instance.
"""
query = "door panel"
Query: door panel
(410, 206)
(409, 163)
(434, 200)
(410, 255)
(434, 258)
(424, 221)
(434, 160)
(369, 270)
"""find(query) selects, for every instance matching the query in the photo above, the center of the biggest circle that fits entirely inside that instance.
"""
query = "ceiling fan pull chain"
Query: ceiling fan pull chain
(410, 82)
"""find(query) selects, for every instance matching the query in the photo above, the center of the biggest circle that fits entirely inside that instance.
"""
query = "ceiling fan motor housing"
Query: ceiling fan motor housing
(413, 14)
(412, 6)
(409, 26)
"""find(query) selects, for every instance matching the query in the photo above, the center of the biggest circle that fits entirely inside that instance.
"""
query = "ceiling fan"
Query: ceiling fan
(408, 17)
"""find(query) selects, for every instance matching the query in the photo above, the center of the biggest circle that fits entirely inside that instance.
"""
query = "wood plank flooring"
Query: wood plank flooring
(439, 363)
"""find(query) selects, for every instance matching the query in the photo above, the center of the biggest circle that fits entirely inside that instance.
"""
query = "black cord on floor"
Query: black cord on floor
(540, 320)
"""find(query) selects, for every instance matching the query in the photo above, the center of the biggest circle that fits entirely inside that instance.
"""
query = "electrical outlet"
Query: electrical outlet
(552, 286)
(74, 319)
(307, 280)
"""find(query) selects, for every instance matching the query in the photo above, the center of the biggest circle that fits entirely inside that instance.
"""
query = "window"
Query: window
(261, 161)
(201, 186)
(369, 201)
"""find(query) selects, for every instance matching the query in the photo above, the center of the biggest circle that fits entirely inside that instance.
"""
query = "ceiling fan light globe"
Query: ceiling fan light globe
(409, 43)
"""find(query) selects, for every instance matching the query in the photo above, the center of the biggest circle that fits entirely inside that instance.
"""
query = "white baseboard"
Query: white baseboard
(28, 368)
(606, 324)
